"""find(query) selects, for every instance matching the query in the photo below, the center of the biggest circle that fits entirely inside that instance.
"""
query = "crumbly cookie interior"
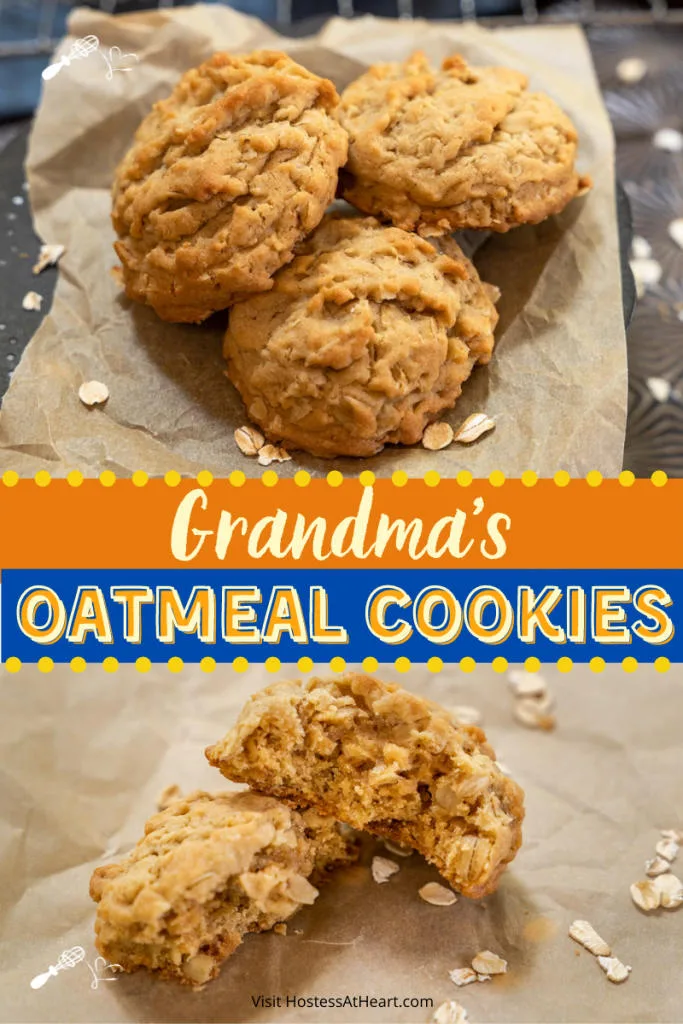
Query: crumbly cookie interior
(381, 759)
(208, 870)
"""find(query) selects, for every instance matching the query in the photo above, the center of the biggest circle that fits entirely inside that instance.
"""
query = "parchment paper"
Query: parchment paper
(557, 385)
(84, 758)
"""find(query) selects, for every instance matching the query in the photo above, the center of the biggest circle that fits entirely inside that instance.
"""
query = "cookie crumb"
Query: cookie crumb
(640, 248)
(675, 230)
(646, 273)
(437, 436)
(670, 889)
(48, 256)
(585, 934)
(399, 851)
(667, 849)
(382, 869)
(32, 301)
(437, 895)
(533, 713)
(527, 684)
(450, 1012)
(489, 963)
(473, 428)
(280, 928)
(614, 969)
(659, 388)
(249, 440)
(270, 453)
(631, 70)
(465, 976)
(645, 894)
(669, 140)
(93, 392)
(465, 714)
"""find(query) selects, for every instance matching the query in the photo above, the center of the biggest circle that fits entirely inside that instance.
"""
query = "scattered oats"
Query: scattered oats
(473, 428)
(270, 453)
(280, 928)
(502, 767)
(466, 714)
(533, 714)
(399, 851)
(671, 833)
(48, 256)
(93, 392)
(656, 866)
(248, 440)
(667, 848)
(465, 976)
(167, 796)
(645, 894)
(647, 273)
(640, 248)
(450, 1012)
(382, 869)
(668, 139)
(585, 934)
(487, 962)
(437, 436)
(670, 891)
(631, 70)
(32, 301)
(676, 231)
(526, 684)
(659, 388)
(437, 895)
(614, 969)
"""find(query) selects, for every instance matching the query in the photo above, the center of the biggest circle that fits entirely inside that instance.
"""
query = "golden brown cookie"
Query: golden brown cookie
(365, 338)
(462, 147)
(381, 759)
(208, 870)
(223, 178)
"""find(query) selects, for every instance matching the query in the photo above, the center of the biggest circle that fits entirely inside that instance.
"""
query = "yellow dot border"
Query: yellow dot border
(338, 665)
(399, 478)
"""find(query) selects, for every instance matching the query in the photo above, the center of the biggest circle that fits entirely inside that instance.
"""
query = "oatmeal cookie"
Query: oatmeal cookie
(222, 179)
(365, 338)
(381, 759)
(461, 147)
(208, 870)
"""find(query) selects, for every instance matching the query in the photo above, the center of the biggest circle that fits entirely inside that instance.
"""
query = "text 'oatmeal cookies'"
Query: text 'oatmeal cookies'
(365, 338)
(381, 759)
(461, 147)
(208, 870)
(223, 178)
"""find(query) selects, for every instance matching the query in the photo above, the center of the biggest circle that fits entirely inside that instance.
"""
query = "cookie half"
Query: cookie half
(223, 178)
(462, 147)
(366, 337)
(208, 870)
(381, 759)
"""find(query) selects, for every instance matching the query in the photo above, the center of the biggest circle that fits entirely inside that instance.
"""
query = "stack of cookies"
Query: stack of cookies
(323, 757)
(346, 332)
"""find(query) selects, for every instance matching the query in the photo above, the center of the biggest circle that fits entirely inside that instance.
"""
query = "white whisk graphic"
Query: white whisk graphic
(80, 49)
(68, 958)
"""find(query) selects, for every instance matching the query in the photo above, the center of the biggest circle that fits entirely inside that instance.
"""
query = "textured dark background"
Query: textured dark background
(652, 178)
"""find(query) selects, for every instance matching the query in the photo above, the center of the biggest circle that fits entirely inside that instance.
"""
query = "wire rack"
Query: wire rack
(32, 27)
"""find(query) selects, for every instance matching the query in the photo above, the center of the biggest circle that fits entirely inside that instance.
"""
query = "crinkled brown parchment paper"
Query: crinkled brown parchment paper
(84, 758)
(557, 385)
